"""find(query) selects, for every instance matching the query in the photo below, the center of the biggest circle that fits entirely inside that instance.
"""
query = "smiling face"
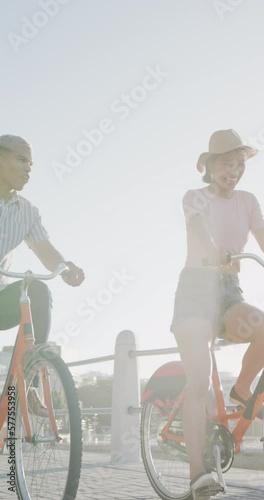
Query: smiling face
(15, 168)
(227, 169)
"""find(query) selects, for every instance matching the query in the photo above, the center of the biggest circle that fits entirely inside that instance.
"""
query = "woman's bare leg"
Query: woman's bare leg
(252, 364)
(193, 337)
(245, 323)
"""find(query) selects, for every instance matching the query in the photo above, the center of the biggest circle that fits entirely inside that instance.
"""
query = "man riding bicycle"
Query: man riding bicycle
(20, 221)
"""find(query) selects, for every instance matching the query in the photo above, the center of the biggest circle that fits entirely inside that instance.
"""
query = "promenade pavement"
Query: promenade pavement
(101, 480)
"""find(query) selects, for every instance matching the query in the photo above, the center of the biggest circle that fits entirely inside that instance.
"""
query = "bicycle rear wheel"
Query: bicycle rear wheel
(48, 467)
(165, 463)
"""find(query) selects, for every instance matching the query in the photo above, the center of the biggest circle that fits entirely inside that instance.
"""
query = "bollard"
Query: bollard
(125, 446)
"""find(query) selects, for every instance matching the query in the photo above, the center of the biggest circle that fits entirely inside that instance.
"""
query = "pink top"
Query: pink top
(229, 221)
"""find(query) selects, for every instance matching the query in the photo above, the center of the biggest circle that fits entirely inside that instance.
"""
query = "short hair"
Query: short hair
(10, 142)
(4, 149)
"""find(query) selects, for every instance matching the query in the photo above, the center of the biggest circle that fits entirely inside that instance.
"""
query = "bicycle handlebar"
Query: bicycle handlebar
(28, 274)
(240, 256)
(62, 267)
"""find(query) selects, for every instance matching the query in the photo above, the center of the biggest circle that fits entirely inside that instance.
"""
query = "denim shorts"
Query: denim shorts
(206, 294)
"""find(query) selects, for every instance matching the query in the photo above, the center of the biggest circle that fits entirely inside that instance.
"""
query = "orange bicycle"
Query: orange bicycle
(40, 411)
(162, 440)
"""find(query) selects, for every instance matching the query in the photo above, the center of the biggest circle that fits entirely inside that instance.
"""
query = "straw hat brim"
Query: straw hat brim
(204, 157)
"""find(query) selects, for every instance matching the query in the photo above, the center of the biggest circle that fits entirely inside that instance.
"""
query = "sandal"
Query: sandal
(236, 399)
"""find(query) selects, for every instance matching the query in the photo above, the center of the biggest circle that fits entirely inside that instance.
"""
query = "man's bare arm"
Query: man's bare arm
(47, 254)
(51, 258)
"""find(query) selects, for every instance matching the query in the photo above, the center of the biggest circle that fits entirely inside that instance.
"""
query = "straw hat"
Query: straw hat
(223, 141)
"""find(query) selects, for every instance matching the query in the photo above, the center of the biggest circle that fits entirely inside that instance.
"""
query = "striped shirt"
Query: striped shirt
(19, 221)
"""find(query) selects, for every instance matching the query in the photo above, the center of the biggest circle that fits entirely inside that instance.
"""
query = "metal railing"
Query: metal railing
(125, 410)
(125, 396)
(132, 354)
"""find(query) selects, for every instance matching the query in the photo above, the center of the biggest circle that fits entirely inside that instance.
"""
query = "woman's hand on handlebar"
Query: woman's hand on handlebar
(218, 257)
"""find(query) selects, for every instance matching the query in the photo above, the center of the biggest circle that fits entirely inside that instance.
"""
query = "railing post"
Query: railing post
(125, 426)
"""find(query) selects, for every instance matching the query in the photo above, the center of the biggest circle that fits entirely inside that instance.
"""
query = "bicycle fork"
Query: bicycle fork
(48, 401)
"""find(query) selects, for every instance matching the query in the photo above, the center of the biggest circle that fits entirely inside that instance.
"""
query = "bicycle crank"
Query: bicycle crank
(217, 456)
(219, 449)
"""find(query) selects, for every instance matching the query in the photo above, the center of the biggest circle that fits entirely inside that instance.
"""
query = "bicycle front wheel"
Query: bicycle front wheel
(49, 467)
(165, 462)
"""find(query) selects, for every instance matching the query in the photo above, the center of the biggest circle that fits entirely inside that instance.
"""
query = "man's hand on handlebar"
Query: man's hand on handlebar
(74, 276)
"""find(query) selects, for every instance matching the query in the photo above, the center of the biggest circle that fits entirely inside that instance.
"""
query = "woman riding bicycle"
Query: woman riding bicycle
(209, 301)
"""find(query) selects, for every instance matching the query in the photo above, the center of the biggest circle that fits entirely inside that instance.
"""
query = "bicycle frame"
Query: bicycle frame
(244, 417)
(24, 345)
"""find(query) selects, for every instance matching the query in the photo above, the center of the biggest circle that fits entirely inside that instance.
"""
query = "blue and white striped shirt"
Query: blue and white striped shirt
(19, 221)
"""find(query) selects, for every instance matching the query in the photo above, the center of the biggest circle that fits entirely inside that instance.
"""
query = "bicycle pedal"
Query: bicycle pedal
(210, 490)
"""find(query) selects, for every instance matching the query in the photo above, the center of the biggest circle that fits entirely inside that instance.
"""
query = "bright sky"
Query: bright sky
(157, 77)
